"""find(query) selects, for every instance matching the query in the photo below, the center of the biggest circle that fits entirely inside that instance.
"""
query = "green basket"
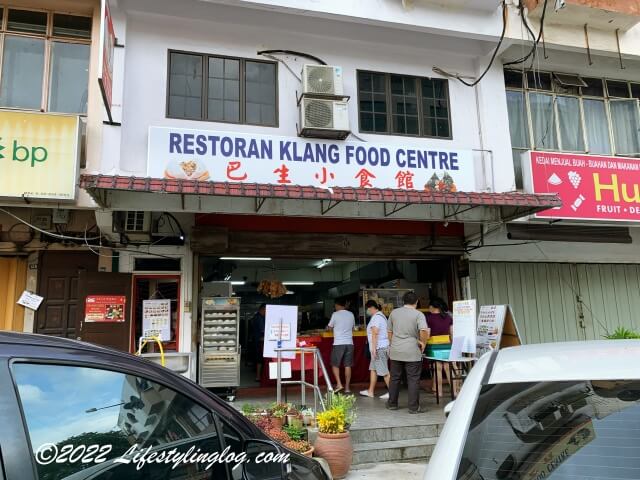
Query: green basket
(439, 354)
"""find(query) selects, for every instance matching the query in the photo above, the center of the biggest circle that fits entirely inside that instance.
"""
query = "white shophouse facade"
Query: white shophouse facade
(391, 42)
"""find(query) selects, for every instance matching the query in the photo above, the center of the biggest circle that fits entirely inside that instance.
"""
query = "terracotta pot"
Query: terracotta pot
(309, 453)
(337, 450)
(277, 421)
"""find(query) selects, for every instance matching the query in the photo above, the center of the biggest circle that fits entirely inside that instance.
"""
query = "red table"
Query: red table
(359, 371)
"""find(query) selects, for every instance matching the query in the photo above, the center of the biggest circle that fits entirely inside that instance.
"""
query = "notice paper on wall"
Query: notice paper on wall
(30, 300)
(281, 330)
(464, 324)
(285, 370)
(156, 319)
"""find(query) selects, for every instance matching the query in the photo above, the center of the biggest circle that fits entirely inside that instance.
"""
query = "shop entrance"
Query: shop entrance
(313, 285)
(58, 285)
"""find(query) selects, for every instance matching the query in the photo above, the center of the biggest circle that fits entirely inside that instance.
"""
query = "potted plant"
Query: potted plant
(295, 432)
(292, 416)
(334, 442)
(277, 412)
(344, 403)
(252, 412)
(307, 416)
(300, 446)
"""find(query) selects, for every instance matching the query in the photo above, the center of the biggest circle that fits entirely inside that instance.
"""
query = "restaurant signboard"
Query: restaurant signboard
(39, 155)
(591, 187)
(205, 155)
(105, 64)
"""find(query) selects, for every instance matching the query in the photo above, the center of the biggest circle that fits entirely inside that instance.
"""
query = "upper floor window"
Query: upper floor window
(403, 105)
(45, 60)
(570, 113)
(222, 89)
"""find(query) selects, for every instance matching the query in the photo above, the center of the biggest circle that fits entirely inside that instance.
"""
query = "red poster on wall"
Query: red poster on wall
(104, 308)
(591, 187)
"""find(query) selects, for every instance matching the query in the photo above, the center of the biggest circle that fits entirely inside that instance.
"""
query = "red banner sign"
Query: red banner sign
(107, 45)
(591, 187)
(104, 308)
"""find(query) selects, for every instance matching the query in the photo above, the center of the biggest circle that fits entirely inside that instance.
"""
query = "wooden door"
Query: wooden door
(104, 312)
(58, 284)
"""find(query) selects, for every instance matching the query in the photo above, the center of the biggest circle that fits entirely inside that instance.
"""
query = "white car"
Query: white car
(560, 411)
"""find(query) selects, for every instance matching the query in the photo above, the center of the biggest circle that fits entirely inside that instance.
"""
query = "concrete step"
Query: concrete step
(416, 449)
(389, 434)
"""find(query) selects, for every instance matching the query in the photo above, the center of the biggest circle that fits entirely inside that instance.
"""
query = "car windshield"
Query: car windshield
(554, 430)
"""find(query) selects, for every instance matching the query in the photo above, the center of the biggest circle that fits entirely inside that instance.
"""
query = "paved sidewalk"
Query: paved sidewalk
(385, 471)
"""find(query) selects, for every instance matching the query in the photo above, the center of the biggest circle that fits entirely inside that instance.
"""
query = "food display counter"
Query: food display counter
(324, 341)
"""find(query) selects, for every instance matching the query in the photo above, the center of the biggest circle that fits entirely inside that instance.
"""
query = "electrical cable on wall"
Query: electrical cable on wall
(279, 60)
(44, 232)
(493, 56)
(537, 40)
(294, 53)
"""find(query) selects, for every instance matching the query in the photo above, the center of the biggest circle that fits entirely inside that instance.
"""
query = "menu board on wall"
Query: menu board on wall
(156, 319)
(496, 329)
(104, 308)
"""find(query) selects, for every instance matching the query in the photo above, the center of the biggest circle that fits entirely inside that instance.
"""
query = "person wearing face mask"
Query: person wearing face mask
(379, 347)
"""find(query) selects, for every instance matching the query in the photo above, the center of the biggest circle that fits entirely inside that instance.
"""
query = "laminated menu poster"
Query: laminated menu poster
(104, 308)
(496, 329)
(281, 330)
(156, 319)
(464, 325)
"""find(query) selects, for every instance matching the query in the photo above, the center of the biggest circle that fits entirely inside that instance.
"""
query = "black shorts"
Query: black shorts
(342, 355)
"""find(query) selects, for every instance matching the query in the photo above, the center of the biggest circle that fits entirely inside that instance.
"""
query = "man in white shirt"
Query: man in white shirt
(342, 323)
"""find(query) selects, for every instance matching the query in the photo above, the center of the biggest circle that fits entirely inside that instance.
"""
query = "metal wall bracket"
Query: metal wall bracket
(331, 204)
(396, 208)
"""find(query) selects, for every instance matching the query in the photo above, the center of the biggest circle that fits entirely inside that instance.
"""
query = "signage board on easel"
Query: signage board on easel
(464, 327)
(281, 330)
(496, 329)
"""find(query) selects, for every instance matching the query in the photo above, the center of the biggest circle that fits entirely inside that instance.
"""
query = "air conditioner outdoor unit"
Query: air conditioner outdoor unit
(322, 80)
(320, 118)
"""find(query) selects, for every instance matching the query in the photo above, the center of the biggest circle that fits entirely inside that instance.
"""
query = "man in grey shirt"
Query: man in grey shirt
(342, 323)
(408, 334)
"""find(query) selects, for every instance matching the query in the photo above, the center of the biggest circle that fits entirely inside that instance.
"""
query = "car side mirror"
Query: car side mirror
(265, 460)
(448, 407)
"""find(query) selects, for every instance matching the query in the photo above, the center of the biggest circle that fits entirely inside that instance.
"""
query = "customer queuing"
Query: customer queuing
(440, 323)
(378, 340)
(408, 334)
(342, 322)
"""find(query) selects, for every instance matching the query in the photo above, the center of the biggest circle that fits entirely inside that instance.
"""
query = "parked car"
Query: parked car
(73, 410)
(561, 411)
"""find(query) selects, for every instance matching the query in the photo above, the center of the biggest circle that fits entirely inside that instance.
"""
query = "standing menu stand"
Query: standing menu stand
(496, 329)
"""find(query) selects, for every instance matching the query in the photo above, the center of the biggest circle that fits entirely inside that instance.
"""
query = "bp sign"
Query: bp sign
(38, 155)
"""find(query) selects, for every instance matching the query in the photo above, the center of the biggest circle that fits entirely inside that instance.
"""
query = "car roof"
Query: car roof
(566, 361)
(39, 340)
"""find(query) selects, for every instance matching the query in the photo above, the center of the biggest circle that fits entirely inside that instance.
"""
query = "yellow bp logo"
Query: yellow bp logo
(22, 153)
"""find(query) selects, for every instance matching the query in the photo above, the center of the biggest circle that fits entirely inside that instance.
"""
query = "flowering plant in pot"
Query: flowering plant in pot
(334, 442)
(346, 404)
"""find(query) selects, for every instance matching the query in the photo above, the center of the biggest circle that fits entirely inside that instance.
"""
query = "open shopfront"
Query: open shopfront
(312, 285)
(312, 280)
